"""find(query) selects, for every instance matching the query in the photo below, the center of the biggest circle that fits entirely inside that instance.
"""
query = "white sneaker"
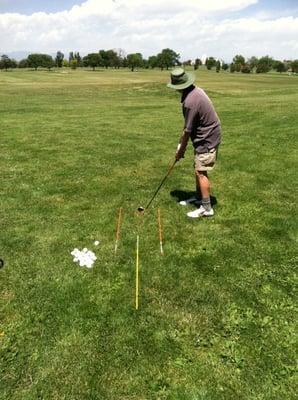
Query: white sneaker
(200, 212)
(189, 201)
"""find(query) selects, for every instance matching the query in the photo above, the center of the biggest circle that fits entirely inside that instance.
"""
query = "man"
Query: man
(202, 126)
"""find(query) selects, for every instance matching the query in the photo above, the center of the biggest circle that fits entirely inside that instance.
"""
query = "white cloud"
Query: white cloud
(191, 28)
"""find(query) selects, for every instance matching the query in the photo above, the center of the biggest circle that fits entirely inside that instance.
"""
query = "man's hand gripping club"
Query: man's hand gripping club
(182, 145)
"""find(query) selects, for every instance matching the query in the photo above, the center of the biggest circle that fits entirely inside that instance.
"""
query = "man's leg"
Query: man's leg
(196, 199)
(198, 190)
(204, 185)
(203, 162)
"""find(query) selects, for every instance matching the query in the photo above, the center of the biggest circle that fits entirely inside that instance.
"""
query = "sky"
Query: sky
(193, 28)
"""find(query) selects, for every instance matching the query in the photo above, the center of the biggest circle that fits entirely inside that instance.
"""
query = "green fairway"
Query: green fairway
(217, 313)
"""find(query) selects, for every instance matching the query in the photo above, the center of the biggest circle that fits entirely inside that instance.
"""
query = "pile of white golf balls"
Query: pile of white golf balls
(85, 257)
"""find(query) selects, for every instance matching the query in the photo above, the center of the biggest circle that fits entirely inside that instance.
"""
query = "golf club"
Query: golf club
(142, 209)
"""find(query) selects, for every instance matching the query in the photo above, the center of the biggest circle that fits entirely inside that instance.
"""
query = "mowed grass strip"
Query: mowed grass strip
(216, 318)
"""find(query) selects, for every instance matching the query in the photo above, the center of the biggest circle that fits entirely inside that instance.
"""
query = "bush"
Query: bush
(262, 68)
(264, 64)
(73, 64)
(279, 66)
(245, 69)
(23, 63)
(294, 66)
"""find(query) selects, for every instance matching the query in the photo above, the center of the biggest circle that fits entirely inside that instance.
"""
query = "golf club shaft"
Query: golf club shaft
(161, 183)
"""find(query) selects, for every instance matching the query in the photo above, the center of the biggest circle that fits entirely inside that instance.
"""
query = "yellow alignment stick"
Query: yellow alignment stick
(137, 274)
(160, 231)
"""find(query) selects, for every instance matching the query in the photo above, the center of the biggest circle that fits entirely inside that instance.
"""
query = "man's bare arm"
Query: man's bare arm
(182, 145)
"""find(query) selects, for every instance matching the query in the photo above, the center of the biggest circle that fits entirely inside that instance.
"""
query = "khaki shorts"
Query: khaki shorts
(205, 161)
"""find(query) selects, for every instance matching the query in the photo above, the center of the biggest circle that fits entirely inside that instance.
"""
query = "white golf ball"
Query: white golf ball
(96, 243)
(89, 265)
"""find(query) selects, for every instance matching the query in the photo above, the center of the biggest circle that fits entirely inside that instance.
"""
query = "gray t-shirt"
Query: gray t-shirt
(201, 120)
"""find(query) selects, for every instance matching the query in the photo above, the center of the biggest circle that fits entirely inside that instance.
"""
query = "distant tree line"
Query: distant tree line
(253, 64)
(262, 65)
(166, 59)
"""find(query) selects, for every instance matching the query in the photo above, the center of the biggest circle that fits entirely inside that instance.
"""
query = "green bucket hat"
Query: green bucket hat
(180, 79)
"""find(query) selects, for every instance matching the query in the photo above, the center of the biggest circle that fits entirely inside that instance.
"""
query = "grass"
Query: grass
(217, 312)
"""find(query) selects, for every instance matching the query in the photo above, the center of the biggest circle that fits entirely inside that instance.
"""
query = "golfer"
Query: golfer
(202, 126)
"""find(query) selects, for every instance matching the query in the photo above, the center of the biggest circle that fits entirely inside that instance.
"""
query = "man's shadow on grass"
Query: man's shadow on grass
(180, 195)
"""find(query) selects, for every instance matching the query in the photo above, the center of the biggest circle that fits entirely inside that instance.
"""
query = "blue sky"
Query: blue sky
(275, 8)
(278, 7)
(31, 6)
(193, 28)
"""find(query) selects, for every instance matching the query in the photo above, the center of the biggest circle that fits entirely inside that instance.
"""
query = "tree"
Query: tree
(186, 63)
(103, 59)
(210, 62)
(13, 63)
(47, 61)
(294, 66)
(134, 60)
(34, 61)
(152, 62)
(279, 66)
(40, 60)
(78, 58)
(218, 66)
(264, 64)
(73, 63)
(5, 62)
(252, 62)
(167, 58)
(288, 64)
(232, 68)
(71, 56)
(121, 56)
(245, 69)
(124, 62)
(91, 60)
(238, 61)
(197, 63)
(112, 58)
(23, 63)
(145, 63)
(59, 59)
(262, 68)
(225, 66)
